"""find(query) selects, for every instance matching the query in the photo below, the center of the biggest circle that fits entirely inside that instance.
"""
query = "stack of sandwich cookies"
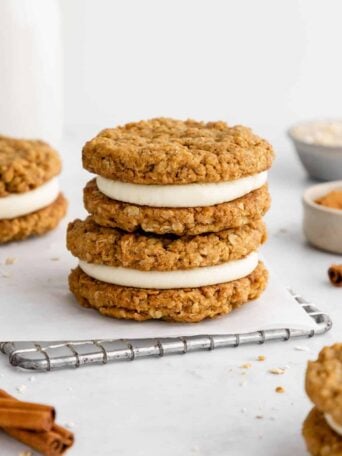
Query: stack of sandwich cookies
(30, 200)
(322, 428)
(175, 220)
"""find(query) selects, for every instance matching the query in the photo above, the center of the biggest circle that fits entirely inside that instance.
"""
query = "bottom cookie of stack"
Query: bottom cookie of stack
(183, 305)
(141, 276)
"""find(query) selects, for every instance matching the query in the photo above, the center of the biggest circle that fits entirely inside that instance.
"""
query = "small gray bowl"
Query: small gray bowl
(320, 161)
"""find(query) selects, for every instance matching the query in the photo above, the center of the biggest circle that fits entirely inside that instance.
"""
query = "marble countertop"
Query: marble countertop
(202, 403)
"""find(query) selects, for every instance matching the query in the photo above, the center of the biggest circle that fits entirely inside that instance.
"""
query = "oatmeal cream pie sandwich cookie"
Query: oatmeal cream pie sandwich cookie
(145, 276)
(30, 199)
(322, 428)
(179, 177)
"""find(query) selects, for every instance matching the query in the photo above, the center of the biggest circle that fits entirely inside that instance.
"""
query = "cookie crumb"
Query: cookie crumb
(259, 417)
(55, 258)
(26, 453)
(277, 371)
(246, 366)
(280, 389)
(261, 358)
(10, 260)
(335, 274)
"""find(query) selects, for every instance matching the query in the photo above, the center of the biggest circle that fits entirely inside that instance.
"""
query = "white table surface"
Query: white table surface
(202, 403)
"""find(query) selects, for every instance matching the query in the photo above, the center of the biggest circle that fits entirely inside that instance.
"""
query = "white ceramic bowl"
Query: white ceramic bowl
(320, 161)
(322, 225)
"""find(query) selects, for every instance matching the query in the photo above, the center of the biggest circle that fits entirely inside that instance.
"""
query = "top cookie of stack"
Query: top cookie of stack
(170, 176)
(175, 220)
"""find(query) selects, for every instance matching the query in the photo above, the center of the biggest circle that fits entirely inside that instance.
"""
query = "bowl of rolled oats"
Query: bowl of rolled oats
(319, 147)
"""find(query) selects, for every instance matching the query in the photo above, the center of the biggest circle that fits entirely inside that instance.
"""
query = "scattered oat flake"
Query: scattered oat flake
(261, 358)
(5, 275)
(302, 348)
(26, 453)
(277, 371)
(246, 366)
(70, 425)
(32, 378)
(21, 388)
(243, 410)
(10, 260)
(280, 389)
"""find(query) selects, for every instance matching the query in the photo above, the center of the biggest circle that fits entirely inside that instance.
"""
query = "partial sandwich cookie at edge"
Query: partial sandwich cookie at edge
(180, 177)
(323, 384)
(320, 438)
(30, 199)
(181, 305)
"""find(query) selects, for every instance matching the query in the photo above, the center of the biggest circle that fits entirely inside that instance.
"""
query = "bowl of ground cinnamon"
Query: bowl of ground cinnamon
(318, 144)
(322, 222)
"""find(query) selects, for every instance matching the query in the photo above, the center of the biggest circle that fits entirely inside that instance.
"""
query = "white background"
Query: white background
(261, 63)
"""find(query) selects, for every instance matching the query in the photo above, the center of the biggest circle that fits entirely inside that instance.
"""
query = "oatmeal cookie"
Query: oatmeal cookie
(320, 439)
(180, 221)
(25, 165)
(182, 305)
(324, 382)
(168, 151)
(113, 247)
(33, 224)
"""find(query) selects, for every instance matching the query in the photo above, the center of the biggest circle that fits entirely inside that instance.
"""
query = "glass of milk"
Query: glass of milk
(31, 79)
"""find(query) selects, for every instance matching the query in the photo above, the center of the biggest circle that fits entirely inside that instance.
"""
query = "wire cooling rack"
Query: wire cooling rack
(47, 356)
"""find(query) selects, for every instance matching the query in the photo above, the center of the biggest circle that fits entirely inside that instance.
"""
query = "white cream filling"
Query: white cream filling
(190, 278)
(332, 423)
(19, 204)
(187, 195)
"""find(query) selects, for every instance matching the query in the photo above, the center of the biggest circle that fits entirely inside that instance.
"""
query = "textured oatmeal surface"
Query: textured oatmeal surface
(320, 439)
(168, 151)
(183, 305)
(179, 221)
(33, 224)
(324, 381)
(110, 246)
(25, 165)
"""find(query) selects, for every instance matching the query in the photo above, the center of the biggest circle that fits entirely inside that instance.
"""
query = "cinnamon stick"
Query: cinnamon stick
(49, 443)
(335, 274)
(25, 415)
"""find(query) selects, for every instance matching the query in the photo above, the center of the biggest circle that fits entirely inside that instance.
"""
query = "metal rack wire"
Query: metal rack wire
(47, 356)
